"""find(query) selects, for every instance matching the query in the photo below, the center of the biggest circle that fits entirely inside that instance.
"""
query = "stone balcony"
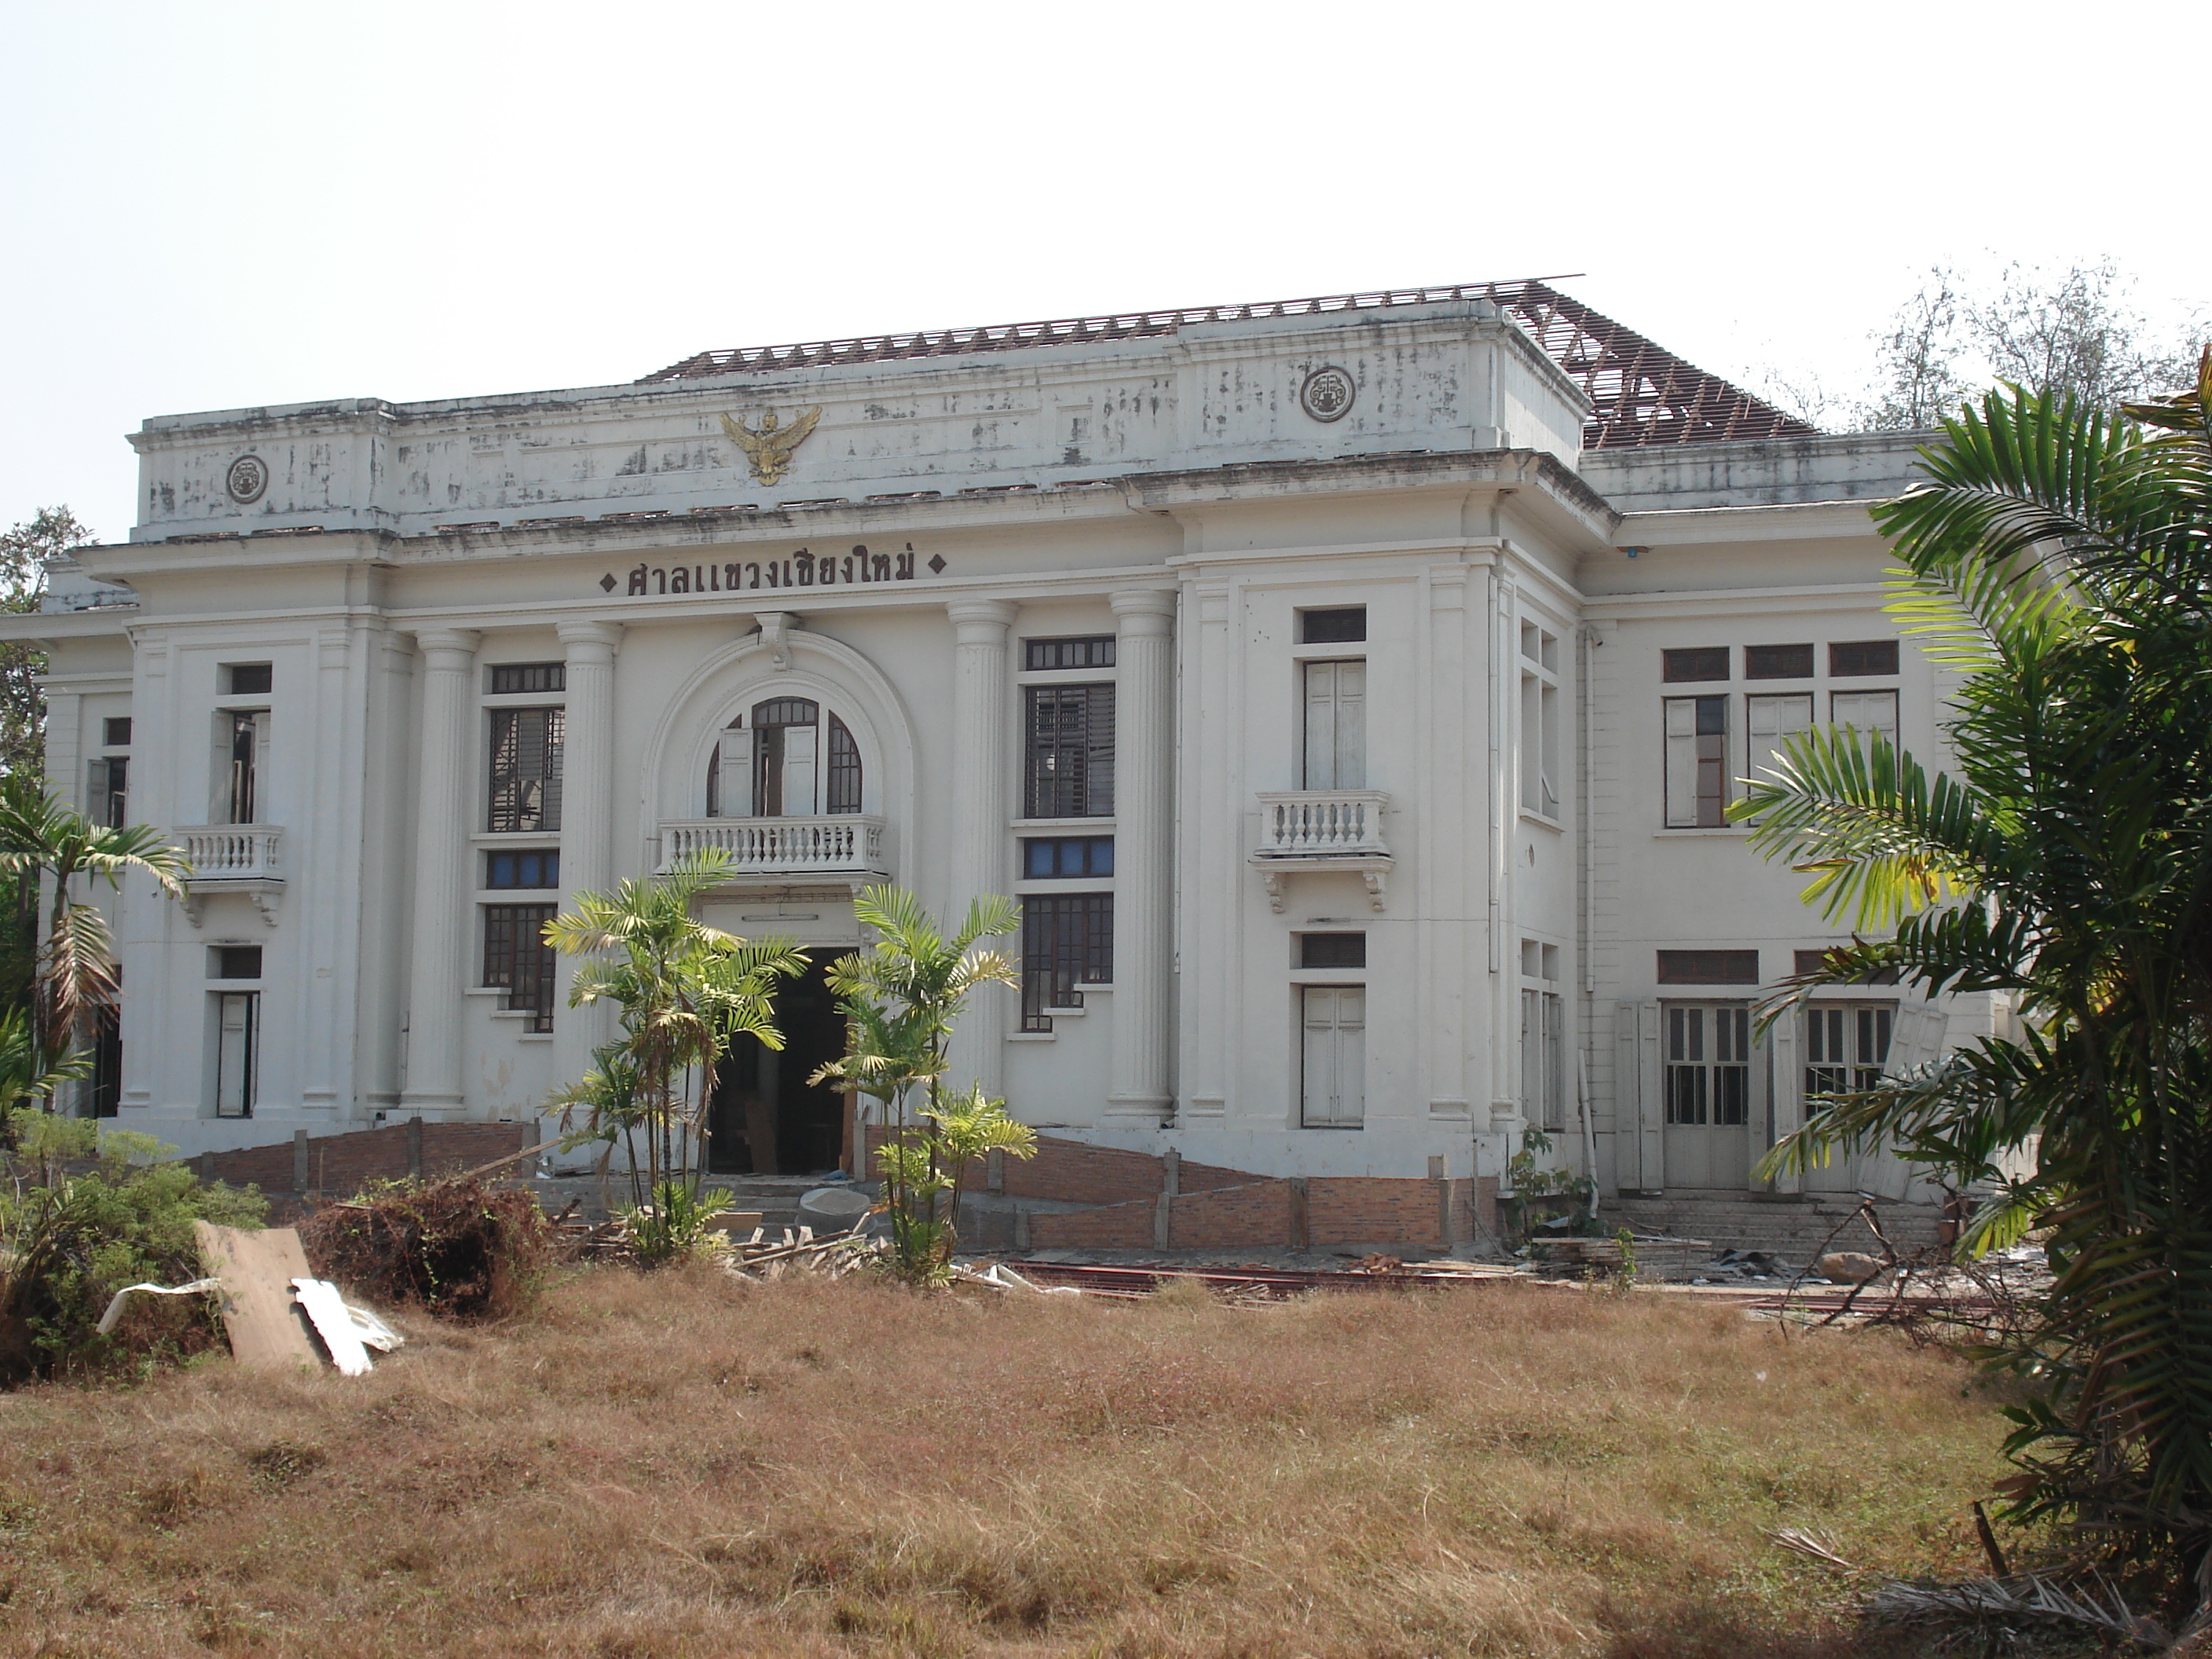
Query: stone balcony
(1306, 831)
(844, 847)
(233, 858)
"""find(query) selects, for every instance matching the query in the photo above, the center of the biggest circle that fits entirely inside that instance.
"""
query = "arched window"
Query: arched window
(771, 764)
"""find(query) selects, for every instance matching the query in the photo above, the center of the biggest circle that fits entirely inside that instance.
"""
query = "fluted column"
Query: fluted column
(1144, 843)
(588, 766)
(438, 958)
(981, 763)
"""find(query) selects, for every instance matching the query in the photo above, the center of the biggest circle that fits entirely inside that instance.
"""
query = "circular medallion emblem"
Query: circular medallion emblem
(249, 476)
(1327, 393)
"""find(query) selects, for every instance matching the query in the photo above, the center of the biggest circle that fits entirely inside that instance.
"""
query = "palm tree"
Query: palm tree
(900, 998)
(684, 990)
(2060, 562)
(42, 836)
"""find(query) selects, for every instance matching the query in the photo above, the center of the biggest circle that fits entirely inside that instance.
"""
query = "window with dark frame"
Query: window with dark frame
(1343, 624)
(536, 867)
(1068, 752)
(1778, 662)
(509, 678)
(1067, 941)
(1332, 949)
(1075, 651)
(1709, 966)
(1061, 858)
(248, 679)
(104, 1091)
(244, 766)
(1687, 664)
(1708, 1065)
(1853, 658)
(843, 793)
(1846, 1046)
(115, 731)
(1696, 760)
(526, 771)
(236, 961)
(518, 961)
(109, 801)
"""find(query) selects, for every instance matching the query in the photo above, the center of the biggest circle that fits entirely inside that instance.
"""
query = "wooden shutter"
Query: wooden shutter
(1771, 719)
(1681, 763)
(801, 747)
(95, 795)
(733, 771)
(1335, 1057)
(1638, 1103)
(1097, 798)
(1336, 725)
(1867, 711)
(1788, 1093)
(234, 1054)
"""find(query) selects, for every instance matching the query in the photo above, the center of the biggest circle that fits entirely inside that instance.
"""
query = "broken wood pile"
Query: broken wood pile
(1657, 1253)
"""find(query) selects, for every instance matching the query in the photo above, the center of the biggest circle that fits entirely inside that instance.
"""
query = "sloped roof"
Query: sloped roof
(1643, 394)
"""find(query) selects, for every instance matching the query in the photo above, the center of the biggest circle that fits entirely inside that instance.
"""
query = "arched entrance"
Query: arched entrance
(765, 1118)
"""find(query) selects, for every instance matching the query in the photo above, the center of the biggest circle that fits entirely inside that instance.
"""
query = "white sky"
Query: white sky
(217, 203)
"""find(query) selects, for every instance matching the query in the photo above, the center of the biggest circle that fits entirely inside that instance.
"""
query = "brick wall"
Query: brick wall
(1075, 1172)
(342, 1164)
(1111, 1227)
(1259, 1214)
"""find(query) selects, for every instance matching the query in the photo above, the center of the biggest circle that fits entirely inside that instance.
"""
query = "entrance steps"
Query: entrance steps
(1794, 1228)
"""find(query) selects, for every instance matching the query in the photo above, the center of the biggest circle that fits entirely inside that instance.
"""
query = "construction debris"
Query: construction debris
(252, 1271)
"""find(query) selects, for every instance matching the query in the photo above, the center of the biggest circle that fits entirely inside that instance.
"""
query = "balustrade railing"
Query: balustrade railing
(842, 844)
(1323, 824)
(233, 852)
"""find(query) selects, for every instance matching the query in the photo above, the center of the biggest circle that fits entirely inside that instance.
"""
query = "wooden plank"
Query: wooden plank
(266, 1326)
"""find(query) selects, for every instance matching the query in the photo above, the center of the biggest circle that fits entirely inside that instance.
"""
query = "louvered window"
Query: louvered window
(526, 771)
(517, 959)
(1067, 941)
(1070, 752)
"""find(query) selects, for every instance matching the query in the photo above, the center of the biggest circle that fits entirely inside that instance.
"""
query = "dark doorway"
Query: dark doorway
(766, 1118)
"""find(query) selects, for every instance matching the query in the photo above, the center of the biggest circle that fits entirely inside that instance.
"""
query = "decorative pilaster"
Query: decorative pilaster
(443, 925)
(588, 766)
(1143, 826)
(980, 767)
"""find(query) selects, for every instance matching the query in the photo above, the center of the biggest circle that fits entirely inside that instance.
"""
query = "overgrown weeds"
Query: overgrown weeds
(678, 1462)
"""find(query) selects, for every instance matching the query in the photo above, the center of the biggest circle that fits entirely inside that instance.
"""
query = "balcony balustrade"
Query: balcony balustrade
(233, 858)
(842, 845)
(1317, 829)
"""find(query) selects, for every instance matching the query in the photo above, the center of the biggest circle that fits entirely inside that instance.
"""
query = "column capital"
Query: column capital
(589, 641)
(981, 622)
(1145, 609)
(449, 650)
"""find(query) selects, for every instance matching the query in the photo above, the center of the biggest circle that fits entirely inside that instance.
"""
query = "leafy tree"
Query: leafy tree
(901, 997)
(683, 990)
(2060, 561)
(24, 548)
(2076, 332)
(44, 840)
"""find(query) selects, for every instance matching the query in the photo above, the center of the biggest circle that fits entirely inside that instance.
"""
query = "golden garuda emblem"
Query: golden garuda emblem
(769, 449)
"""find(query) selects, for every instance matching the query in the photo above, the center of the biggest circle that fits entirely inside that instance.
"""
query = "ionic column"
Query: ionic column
(587, 764)
(1144, 843)
(981, 765)
(438, 958)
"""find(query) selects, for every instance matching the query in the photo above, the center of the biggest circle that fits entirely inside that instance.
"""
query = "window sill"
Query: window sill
(1031, 1036)
(485, 991)
(517, 837)
(1543, 821)
(1104, 825)
(519, 1013)
(1737, 830)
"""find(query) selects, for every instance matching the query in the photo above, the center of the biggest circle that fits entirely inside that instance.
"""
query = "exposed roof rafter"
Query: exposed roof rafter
(1643, 394)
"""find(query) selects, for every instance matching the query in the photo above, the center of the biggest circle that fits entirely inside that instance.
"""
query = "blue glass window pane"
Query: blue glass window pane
(1102, 856)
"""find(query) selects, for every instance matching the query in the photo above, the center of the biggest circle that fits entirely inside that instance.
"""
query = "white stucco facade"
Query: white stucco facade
(1190, 514)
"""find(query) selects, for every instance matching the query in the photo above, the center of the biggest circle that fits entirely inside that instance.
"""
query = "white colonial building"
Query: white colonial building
(1350, 689)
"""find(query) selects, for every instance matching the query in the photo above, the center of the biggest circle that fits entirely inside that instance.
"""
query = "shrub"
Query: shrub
(72, 1240)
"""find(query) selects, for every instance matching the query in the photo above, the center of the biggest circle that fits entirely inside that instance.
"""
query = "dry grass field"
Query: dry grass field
(685, 1465)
